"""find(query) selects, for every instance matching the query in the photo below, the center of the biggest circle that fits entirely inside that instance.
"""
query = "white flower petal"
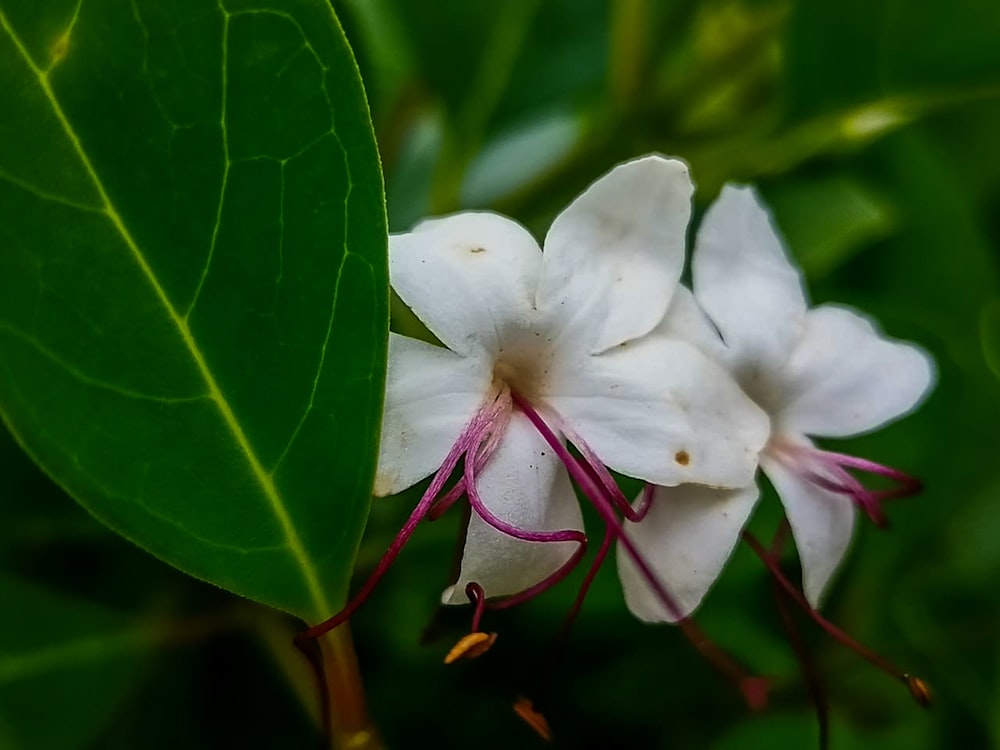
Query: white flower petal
(431, 394)
(686, 321)
(469, 277)
(660, 410)
(845, 377)
(746, 283)
(524, 485)
(686, 537)
(822, 524)
(613, 257)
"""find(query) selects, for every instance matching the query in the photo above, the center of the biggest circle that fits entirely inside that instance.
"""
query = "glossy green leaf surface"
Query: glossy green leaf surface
(193, 285)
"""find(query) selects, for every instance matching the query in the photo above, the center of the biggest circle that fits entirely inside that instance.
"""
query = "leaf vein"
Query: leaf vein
(223, 105)
(92, 381)
(154, 94)
(329, 325)
(47, 196)
(242, 550)
(61, 44)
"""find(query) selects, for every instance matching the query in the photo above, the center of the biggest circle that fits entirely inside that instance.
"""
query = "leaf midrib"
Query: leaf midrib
(264, 479)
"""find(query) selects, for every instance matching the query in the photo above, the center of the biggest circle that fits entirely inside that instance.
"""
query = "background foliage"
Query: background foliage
(871, 129)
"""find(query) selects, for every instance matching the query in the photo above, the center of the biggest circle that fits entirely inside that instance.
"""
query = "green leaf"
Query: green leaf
(34, 513)
(193, 283)
(65, 666)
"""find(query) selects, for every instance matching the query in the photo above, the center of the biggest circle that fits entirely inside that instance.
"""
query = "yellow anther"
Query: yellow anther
(471, 646)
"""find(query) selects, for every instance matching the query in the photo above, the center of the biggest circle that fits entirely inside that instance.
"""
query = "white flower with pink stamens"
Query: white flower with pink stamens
(824, 372)
(540, 348)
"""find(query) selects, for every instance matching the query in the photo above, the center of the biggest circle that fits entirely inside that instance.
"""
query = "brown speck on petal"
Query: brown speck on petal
(682, 458)
(477, 250)
(524, 708)
(470, 646)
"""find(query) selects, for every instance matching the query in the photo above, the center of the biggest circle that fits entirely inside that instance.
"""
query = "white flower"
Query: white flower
(542, 347)
(825, 372)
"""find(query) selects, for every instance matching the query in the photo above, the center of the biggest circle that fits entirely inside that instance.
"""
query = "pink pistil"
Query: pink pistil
(829, 471)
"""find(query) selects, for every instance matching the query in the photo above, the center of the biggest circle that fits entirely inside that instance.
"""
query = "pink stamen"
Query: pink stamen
(877, 660)
(754, 689)
(472, 492)
(600, 501)
(478, 600)
(483, 451)
(563, 635)
(444, 503)
(828, 470)
(805, 658)
(588, 580)
(645, 501)
(485, 421)
(564, 535)
(594, 466)
(548, 582)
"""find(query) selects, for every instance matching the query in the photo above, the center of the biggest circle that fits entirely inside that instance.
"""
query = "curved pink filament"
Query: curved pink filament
(564, 535)
(599, 472)
(753, 688)
(471, 436)
(477, 598)
(588, 580)
(645, 501)
(448, 499)
(829, 471)
(483, 454)
(836, 633)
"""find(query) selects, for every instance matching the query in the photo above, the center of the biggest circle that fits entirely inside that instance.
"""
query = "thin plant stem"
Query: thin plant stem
(349, 725)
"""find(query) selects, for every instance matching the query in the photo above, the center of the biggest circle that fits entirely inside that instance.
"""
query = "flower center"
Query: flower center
(524, 370)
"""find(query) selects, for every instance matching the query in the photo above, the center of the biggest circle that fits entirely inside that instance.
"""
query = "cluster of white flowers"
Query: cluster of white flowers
(594, 343)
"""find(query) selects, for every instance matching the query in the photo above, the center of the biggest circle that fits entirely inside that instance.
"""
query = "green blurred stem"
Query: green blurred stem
(629, 43)
(464, 134)
(329, 670)
(351, 728)
(748, 155)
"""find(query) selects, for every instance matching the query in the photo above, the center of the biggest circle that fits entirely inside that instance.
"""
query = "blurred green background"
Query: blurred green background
(873, 130)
